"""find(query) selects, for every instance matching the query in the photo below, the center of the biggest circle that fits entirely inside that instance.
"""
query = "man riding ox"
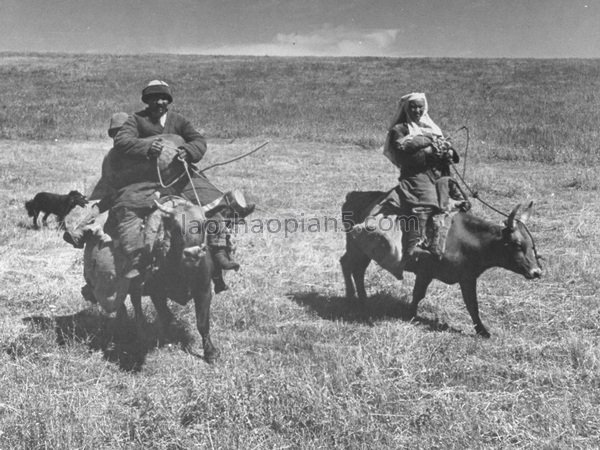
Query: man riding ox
(147, 142)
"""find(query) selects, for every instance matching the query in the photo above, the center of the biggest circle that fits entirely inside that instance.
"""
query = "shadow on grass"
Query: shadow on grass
(378, 307)
(120, 340)
(28, 225)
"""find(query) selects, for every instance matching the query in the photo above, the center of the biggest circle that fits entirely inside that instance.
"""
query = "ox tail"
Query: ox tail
(43, 322)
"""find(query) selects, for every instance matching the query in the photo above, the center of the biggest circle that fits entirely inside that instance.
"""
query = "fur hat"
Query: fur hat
(116, 122)
(156, 87)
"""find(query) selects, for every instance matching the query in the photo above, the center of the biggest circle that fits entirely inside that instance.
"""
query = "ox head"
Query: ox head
(188, 222)
(520, 252)
(76, 198)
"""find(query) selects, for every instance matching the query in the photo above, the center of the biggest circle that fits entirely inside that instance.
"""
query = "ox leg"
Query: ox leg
(45, 219)
(35, 219)
(165, 316)
(346, 262)
(358, 273)
(422, 282)
(202, 300)
(469, 292)
(121, 315)
(135, 294)
(354, 265)
(117, 328)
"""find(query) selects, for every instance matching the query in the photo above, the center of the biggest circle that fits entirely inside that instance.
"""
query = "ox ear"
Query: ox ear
(510, 222)
(166, 209)
(527, 213)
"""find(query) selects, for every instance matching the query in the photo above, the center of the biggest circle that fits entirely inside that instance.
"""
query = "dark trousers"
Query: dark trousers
(127, 228)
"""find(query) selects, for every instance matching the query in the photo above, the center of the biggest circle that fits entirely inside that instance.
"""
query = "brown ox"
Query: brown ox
(181, 269)
(473, 245)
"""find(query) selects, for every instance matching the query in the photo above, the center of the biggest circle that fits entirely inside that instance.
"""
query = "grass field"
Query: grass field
(533, 110)
(301, 367)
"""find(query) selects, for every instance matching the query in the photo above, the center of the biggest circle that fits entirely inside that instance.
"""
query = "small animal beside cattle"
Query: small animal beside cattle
(473, 245)
(57, 204)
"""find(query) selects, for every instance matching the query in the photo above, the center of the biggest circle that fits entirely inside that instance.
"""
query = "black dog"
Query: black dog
(57, 204)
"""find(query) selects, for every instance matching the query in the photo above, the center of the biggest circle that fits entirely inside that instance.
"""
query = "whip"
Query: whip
(188, 166)
(233, 159)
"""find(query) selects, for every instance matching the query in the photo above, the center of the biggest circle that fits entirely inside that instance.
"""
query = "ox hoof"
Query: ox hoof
(212, 356)
(482, 332)
(191, 349)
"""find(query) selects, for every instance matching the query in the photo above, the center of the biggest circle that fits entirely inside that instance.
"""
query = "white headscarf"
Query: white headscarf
(415, 128)
(425, 124)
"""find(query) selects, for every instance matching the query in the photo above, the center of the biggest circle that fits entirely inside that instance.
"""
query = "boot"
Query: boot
(219, 245)
(219, 282)
(412, 238)
(223, 259)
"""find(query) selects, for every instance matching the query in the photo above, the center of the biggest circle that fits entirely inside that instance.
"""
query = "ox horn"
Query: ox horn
(166, 209)
(527, 213)
(510, 222)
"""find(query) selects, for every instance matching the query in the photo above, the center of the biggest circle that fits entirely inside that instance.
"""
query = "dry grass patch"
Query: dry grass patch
(302, 367)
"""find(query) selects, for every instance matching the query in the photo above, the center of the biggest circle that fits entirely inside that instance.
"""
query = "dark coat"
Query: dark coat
(131, 149)
(416, 185)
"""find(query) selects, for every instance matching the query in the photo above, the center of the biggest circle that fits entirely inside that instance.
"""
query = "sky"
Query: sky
(389, 28)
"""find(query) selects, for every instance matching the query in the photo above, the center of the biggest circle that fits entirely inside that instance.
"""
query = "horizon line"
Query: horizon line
(225, 55)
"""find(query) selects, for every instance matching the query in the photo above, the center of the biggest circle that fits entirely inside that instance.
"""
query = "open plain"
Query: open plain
(301, 366)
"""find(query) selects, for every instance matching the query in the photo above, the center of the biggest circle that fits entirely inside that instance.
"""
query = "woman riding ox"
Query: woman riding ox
(416, 145)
